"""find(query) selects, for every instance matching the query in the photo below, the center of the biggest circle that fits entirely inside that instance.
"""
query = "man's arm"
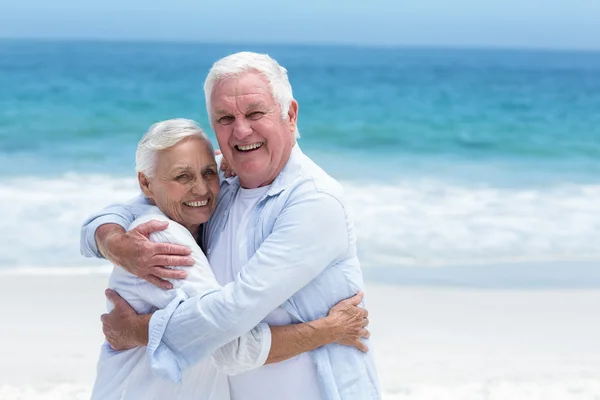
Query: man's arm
(104, 235)
(309, 234)
(263, 344)
(120, 214)
(346, 324)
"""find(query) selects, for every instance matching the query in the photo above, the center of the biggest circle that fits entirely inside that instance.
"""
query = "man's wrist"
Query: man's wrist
(105, 235)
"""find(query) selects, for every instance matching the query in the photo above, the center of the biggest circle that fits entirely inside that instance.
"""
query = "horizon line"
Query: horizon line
(406, 46)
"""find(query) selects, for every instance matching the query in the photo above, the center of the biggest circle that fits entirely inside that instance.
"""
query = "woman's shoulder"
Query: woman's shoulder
(174, 233)
(149, 213)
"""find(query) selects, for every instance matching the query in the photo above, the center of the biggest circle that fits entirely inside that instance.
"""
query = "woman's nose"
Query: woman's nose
(200, 187)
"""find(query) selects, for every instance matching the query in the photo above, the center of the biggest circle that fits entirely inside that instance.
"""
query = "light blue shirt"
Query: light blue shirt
(303, 257)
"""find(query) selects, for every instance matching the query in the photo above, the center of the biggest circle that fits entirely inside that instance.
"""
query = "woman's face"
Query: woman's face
(185, 185)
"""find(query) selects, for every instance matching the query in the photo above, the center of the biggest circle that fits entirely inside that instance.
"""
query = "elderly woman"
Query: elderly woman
(179, 178)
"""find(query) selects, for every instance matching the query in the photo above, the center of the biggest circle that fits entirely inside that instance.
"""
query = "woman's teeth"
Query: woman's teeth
(196, 203)
(249, 147)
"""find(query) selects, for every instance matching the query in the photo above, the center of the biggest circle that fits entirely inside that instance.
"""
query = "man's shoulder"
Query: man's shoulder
(316, 179)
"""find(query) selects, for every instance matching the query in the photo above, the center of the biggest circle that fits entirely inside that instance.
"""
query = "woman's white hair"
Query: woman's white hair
(161, 136)
(240, 63)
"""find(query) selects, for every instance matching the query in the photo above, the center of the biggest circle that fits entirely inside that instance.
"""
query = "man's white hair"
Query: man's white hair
(240, 63)
(161, 136)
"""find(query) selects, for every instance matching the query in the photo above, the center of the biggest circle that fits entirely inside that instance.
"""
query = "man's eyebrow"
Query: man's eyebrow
(180, 168)
(221, 112)
(255, 105)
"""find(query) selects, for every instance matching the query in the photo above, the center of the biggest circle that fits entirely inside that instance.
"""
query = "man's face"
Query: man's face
(253, 137)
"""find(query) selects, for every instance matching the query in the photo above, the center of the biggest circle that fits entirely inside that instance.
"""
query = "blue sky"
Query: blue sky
(573, 24)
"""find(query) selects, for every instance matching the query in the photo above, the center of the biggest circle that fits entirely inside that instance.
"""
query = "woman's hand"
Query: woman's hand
(349, 322)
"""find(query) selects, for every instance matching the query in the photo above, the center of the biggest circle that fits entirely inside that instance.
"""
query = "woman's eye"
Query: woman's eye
(182, 177)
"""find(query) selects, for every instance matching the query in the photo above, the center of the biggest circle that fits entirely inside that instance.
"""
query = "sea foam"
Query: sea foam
(405, 223)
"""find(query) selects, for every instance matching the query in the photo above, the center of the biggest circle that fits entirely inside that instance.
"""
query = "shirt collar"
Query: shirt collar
(290, 172)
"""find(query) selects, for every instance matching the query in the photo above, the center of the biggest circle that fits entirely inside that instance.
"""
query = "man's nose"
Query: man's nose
(242, 128)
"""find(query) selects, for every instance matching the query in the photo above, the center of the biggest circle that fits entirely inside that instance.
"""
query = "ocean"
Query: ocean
(461, 167)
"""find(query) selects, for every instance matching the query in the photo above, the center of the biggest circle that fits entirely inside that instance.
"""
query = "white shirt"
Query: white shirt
(293, 379)
(129, 374)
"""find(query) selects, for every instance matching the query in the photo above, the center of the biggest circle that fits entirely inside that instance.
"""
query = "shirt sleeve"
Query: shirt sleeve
(243, 353)
(309, 234)
(121, 214)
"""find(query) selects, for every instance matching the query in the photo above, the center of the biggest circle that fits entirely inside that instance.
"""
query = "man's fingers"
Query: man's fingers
(217, 152)
(114, 298)
(163, 260)
(366, 322)
(357, 298)
(168, 273)
(365, 333)
(173, 250)
(151, 226)
(361, 346)
(156, 281)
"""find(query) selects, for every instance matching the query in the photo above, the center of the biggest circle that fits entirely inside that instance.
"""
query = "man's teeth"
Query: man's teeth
(249, 147)
(196, 203)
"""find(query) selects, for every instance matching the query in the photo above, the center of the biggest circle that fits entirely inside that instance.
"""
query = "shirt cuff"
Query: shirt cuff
(265, 344)
(88, 245)
(163, 361)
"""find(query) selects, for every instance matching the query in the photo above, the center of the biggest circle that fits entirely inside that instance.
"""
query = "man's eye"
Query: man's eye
(255, 115)
(225, 120)
(210, 172)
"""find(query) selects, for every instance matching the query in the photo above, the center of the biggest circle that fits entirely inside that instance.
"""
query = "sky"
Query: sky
(552, 24)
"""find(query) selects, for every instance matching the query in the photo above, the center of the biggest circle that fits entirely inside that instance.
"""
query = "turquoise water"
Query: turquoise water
(449, 157)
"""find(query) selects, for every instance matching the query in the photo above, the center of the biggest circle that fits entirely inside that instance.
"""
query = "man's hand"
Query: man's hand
(350, 322)
(123, 328)
(133, 251)
(229, 172)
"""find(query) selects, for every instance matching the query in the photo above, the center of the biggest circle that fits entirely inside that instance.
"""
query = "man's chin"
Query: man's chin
(250, 168)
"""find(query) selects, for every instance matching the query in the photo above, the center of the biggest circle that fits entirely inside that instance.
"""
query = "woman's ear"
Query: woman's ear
(145, 185)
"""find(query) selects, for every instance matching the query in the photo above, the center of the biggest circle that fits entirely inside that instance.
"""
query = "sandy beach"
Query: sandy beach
(430, 343)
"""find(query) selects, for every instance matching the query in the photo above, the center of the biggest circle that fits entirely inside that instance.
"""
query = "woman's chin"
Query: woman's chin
(197, 215)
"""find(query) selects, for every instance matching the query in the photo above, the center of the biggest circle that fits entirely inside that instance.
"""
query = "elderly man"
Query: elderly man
(281, 241)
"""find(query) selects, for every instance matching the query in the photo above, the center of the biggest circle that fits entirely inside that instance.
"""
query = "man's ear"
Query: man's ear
(145, 185)
(293, 115)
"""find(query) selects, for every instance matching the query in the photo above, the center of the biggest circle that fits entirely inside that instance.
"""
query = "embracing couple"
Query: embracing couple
(235, 277)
